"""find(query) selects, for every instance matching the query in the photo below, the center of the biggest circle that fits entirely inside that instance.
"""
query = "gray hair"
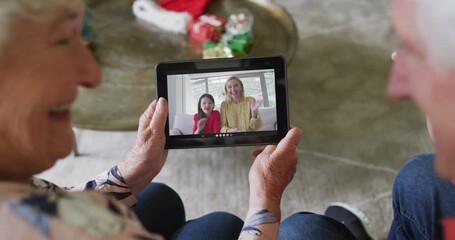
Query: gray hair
(32, 9)
(436, 25)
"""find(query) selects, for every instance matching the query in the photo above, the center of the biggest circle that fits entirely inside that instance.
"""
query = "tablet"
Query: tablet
(224, 102)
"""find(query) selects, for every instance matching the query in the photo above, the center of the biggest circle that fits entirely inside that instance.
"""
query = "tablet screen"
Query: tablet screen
(224, 102)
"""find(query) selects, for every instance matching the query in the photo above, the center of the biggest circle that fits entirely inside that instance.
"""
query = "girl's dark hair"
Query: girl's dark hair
(200, 113)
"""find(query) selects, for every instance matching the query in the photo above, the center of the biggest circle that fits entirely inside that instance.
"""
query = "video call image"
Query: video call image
(222, 103)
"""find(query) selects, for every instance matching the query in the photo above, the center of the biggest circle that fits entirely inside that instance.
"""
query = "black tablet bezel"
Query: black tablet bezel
(278, 63)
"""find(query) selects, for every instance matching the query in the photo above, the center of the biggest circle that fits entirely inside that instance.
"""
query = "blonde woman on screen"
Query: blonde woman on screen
(239, 113)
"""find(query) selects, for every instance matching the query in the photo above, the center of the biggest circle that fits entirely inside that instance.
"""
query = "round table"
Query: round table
(128, 50)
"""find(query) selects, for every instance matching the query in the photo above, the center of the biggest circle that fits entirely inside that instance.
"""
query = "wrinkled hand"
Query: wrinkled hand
(255, 105)
(272, 171)
(147, 156)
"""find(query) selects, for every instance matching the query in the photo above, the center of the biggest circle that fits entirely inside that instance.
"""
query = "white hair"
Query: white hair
(33, 9)
(436, 25)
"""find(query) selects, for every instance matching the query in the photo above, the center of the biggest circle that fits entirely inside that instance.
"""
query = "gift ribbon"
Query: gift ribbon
(212, 20)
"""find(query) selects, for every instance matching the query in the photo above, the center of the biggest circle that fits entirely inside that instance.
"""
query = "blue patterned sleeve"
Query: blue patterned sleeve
(112, 183)
(262, 225)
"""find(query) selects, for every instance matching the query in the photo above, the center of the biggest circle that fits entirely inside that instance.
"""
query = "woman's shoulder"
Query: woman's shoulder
(39, 187)
(224, 105)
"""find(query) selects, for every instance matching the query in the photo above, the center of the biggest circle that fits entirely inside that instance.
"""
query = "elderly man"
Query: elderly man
(423, 71)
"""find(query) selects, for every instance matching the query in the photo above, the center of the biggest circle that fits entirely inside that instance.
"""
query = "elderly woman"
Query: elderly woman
(239, 113)
(42, 63)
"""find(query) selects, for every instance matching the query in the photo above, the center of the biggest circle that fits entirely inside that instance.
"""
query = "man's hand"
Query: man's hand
(271, 173)
(147, 156)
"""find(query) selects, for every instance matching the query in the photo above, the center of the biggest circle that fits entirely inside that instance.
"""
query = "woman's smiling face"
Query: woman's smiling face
(41, 65)
(234, 89)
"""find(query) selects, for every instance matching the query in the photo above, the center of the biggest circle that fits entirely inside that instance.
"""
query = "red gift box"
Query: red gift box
(207, 28)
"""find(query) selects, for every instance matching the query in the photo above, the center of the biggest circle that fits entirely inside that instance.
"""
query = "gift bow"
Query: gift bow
(212, 20)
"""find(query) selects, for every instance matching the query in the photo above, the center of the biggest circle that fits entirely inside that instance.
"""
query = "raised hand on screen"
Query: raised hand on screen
(255, 105)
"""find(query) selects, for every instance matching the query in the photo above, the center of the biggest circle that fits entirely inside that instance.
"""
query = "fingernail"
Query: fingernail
(161, 101)
(394, 56)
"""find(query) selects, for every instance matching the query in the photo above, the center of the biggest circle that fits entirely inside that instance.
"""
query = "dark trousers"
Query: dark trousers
(161, 210)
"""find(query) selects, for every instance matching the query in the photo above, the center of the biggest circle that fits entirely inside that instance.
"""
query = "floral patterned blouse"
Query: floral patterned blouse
(42, 210)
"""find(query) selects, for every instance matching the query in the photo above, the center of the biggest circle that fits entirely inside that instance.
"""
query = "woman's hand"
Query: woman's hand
(147, 156)
(255, 104)
(271, 173)
(233, 130)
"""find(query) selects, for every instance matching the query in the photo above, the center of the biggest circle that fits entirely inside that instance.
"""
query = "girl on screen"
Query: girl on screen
(206, 120)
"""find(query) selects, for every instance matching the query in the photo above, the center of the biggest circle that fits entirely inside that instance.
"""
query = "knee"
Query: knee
(222, 222)
(418, 165)
(305, 225)
(225, 217)
(306, 219)
(161, 187)
(158, 190)
(416, 178)
(159, 194)
(216, 225)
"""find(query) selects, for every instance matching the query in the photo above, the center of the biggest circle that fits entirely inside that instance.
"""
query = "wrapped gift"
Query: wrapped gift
(240, 44)
(208, 45)
(216, 50)
(240, 22)
(207, 28)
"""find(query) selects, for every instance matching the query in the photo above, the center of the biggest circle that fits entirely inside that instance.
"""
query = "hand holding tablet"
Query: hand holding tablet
(224, 102)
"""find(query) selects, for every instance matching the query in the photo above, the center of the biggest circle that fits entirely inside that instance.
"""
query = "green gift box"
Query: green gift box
(247, 37)
(208, 45)
(240, 44)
